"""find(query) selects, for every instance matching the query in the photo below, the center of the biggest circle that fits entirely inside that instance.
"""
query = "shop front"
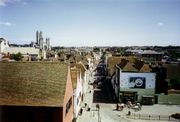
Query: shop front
(126, 96)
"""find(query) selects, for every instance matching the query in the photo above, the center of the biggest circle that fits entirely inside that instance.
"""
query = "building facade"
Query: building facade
(131, 84)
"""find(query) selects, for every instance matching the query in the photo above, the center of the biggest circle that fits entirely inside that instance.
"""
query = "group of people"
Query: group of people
(86, 107)
(121, 106)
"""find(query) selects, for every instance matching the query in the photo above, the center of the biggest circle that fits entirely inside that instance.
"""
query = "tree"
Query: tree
(18, 56)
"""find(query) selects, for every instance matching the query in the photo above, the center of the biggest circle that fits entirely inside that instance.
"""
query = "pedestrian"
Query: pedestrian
(129, 113)
(97, 107)
(85, 104)
(117, 106)
(81, 110)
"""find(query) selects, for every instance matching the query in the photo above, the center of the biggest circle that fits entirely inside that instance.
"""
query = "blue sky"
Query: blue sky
(92, 22)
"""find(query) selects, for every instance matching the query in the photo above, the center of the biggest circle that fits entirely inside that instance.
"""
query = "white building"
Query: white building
(37, 50)
(25, 51)
(41, 43)
(77, 82)
(3, 44)
(132, 81)
(90, 62)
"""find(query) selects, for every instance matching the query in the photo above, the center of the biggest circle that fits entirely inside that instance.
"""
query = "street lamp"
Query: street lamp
(98, 108)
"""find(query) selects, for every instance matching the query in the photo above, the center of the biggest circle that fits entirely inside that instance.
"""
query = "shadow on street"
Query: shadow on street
(102, 94)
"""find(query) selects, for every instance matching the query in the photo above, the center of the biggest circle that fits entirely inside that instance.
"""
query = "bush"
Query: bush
(17, 56)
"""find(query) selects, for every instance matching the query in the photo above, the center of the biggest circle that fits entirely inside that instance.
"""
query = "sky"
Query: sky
(92, 22)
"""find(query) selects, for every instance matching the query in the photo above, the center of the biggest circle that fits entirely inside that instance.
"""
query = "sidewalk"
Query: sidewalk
(88, 116)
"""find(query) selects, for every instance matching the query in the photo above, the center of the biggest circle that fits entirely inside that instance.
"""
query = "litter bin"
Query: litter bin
(155, 99)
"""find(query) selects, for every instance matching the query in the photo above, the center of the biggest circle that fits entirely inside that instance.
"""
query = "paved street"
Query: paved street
(101, 94)
(109, 114)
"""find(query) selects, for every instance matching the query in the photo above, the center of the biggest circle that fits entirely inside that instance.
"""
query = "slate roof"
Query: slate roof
(33, 83)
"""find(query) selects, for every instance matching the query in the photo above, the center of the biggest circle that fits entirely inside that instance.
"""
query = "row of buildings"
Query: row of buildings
(43, 91)
(40, 91)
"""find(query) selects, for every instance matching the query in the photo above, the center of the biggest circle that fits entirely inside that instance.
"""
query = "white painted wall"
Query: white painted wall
(85, 81)
(3, 45)
(149, 79)
(77, 95)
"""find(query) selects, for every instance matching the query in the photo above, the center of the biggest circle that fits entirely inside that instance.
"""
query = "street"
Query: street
(100, 93)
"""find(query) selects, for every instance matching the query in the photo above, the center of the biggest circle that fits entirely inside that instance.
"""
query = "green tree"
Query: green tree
(18, 56)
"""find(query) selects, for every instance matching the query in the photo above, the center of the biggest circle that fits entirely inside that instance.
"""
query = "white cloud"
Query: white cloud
(160, 24)
(8, 24)
(5, 2)
(2, 3)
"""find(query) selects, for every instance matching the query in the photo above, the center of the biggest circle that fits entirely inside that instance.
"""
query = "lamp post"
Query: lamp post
(98, 108)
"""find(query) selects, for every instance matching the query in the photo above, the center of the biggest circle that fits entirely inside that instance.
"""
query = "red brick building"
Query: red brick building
(35, 92)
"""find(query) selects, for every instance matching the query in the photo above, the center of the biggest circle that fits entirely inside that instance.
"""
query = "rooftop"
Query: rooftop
(22, 50)
(112, 61)
(74, 76)
(33, 83)
(137, 66)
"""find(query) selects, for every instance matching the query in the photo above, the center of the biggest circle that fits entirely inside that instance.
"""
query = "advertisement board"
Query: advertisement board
(137, 82)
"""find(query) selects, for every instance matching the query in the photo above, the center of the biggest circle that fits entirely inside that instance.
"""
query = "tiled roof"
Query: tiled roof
(89, 56)
(114, 60)
(79, 66)
(129, 68)
(111, 62)
(145, 68)
(137, 66)
(74, 76)
(33, 83)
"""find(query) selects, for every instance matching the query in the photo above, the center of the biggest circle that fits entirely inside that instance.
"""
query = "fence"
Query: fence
(150, 117)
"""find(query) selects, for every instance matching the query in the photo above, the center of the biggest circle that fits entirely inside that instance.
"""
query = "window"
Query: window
(68, 105)
(79, 97)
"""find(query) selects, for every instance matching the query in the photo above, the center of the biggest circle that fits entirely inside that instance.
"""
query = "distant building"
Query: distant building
(151, 55)
(41, 43)
(35, 92)
(36, 50)
(146, 55)
(33, 52)
(3, 44)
